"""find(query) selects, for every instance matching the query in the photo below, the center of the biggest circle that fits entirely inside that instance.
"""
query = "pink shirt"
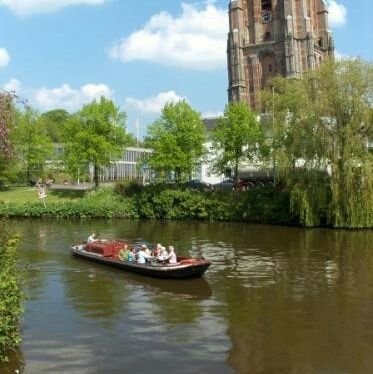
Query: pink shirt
(172, 259)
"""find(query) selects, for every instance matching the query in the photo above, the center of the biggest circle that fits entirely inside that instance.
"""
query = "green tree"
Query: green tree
(54, 121)
(322, 124)
(95, 136)
(237, 137)
(32, 144)
(177, 139)
(6, 121)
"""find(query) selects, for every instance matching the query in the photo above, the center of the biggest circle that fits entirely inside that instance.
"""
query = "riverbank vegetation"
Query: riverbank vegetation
(10, 293)
(159, 201)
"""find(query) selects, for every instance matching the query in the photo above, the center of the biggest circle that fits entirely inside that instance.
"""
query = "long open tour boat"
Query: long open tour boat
(107, 251)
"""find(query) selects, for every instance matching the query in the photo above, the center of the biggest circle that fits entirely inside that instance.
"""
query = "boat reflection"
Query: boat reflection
(197, 288)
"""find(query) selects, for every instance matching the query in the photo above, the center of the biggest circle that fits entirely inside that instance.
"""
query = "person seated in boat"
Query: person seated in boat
(123, 253)
(131, 255)
(157, 250)
(172, 258)
(142, 256)
(147, 250)
(92, 238)
(163, 255)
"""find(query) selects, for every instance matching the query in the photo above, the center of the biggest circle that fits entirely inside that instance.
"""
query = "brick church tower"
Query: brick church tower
(274, 37)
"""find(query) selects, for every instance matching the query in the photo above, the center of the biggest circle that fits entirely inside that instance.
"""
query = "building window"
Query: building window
(270, 68)
(267, 5)
(267, 36)
(266, 11)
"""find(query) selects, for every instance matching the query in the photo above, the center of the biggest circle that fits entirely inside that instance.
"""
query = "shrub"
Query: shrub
(127, 188)
(10, 293)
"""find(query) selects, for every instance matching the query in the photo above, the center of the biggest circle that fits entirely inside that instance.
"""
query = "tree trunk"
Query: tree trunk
(96, 175)
(236, 173)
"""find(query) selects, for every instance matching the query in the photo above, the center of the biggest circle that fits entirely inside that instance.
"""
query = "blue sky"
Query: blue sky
(143, 53)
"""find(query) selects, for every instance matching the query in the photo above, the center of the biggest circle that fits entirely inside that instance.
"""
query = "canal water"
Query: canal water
(275, 300)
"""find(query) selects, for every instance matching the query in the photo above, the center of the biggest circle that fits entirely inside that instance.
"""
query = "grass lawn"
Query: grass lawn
(23, 195)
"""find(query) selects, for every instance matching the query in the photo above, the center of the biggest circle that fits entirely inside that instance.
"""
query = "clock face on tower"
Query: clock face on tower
(266, 16)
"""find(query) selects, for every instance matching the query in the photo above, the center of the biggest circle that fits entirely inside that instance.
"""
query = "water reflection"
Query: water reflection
(275, 300)
(181, 289)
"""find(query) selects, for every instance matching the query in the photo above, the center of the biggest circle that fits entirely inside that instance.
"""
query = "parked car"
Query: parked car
(225, 185)
(244, 185)
(196, 184)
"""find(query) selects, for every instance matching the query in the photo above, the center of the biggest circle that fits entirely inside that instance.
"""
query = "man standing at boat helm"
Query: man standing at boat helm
(92, 238)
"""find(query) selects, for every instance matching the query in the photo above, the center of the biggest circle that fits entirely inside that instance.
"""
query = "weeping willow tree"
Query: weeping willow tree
(321, 130)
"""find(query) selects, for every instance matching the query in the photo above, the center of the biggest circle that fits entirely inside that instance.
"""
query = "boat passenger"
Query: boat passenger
(131, 255)
(146, 249)
(92, 238)
(157, 250)
(142, 256)
(163, 255)
(172, 258)
(123, 253)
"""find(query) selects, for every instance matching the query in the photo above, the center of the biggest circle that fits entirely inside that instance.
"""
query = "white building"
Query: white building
(128, 167)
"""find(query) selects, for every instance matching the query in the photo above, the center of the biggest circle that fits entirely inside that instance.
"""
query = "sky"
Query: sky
(141, 54)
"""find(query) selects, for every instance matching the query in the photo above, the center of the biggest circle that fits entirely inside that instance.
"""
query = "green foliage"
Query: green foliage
(322, 125)
(95, 135)
(177, 140)
(237, 137)
(101, 203)
(160, 201)
(6, 123)
(32, 143)
(54, 122)
(10, 293)
(127, 188)
(258, 205)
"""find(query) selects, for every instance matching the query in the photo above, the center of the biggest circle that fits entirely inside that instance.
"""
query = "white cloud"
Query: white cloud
(194, 40)
(63, 97)
(14, 85)
(154, 104)
(337, 14)
(4, 57)
(69, 98)
(27, 7)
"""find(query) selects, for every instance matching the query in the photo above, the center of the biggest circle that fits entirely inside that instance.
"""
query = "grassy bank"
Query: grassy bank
(24, 202)
(264, 205)
(28, 195)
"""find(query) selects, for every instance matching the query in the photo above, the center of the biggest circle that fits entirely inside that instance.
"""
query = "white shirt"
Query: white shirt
(141, 257)
(172, 258)
(91, 238)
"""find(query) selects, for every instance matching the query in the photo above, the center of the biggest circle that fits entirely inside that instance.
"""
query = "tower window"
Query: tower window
(267, 36)
(267, 11)
(267, 5)
(270, 68)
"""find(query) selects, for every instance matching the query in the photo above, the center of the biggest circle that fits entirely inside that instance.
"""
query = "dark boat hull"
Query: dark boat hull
(177, 271)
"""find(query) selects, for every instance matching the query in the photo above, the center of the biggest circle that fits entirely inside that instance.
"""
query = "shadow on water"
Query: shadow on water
(197, 288)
